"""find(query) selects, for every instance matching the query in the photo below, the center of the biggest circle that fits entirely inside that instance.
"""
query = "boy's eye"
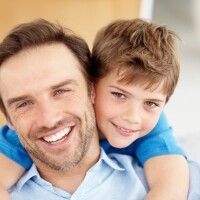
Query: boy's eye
(118, 95)
(24, 104)
(151, 104)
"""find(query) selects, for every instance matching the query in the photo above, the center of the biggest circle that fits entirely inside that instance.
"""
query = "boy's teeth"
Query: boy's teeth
(57, 136)
(123, 129)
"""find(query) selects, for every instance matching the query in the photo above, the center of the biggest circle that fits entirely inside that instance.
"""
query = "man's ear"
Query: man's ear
(92, 93)
(8, 121)
(10, 125)
(6, 115)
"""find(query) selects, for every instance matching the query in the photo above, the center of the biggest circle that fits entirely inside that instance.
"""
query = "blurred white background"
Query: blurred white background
(183, 17)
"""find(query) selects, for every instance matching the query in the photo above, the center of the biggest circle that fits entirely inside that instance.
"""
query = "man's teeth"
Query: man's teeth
(57, 136)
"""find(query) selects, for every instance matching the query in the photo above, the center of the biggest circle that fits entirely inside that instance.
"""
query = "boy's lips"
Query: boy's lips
(125, 131)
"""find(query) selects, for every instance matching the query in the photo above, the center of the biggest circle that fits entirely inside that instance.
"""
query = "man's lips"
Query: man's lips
(58, 135)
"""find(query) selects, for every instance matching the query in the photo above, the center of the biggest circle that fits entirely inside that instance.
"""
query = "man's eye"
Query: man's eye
(151, 104)
(118, 95)
(24, 104)
(60, 91)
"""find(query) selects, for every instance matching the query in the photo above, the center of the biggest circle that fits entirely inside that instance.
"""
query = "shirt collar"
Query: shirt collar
(110, 160)
(33, 173)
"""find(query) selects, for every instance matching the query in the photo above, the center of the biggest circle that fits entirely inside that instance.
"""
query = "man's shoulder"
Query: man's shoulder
(194, 190)
(125, 161)
(131, 165)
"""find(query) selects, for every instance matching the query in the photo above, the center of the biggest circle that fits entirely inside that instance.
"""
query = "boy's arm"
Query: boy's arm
(167, 177)
(10, 172)
(4, 194)
(13, 160)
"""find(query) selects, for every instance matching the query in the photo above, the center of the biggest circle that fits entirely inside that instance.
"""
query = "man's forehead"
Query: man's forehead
(46, 64)
(43, 57)
(44, 50)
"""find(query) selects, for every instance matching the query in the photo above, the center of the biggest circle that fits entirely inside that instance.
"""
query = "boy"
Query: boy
(125, 95)
(135, 70)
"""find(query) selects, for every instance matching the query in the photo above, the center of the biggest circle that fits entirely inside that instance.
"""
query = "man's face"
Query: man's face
(46, 98)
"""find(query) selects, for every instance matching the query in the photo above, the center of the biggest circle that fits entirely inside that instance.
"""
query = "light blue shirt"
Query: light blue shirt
(111, 178)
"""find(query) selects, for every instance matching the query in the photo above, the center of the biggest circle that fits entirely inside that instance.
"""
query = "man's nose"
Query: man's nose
(132, 113)
(49, 115)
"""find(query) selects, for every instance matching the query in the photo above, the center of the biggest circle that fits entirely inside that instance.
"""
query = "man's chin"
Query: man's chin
(62, 161)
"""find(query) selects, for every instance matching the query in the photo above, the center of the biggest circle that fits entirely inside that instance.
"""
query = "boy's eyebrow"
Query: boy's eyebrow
(115, 87)
(149, 99)
(157, 100)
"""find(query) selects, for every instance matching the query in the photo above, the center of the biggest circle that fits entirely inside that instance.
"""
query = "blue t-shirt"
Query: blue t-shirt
(160, 141)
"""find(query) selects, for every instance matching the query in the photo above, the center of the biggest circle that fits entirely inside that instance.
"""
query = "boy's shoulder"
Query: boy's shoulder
(11, 147)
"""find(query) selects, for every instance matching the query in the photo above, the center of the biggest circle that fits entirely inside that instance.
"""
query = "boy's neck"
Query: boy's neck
(101, 136)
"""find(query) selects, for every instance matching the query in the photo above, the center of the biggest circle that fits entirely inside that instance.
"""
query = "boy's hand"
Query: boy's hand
(4, 194)
(167, 177)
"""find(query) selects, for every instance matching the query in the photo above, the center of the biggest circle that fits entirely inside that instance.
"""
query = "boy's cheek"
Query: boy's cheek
(150, 123)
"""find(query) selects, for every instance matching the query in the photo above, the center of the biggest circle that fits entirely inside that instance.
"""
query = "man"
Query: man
(47, 99)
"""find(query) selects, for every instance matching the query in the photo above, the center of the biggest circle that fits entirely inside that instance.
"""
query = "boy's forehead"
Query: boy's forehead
(125, 78)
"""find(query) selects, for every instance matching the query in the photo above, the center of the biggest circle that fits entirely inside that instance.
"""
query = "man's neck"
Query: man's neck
(70, 180)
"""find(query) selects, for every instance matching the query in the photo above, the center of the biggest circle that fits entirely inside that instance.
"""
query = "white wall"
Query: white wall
(184, 107)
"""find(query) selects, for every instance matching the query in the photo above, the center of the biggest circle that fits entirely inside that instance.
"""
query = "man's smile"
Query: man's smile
(58, 136)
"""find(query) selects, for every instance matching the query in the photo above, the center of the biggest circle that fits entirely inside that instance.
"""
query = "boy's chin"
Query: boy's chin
(120, 143)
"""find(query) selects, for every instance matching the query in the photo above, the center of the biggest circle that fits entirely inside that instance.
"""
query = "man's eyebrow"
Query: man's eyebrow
(16, 99)
(21, 98)
(64, 83)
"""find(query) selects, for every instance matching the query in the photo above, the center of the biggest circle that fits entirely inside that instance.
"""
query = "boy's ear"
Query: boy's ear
(92, 93)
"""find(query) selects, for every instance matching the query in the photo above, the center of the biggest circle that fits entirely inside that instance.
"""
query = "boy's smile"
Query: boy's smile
(124, 131)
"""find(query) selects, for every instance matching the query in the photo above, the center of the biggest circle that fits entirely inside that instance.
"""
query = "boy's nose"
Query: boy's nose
(132, 114)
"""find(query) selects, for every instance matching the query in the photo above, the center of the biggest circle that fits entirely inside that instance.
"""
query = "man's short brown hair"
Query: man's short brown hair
(40, 32)
(140, 51)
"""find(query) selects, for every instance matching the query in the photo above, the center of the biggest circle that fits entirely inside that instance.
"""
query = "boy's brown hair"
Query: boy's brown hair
(139, 51)
(40, 32)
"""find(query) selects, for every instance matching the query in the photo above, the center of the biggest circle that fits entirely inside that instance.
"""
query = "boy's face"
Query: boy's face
(124, 112)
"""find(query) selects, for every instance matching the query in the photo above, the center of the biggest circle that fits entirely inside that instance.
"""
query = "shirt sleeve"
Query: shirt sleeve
(194, 192)
(11, 147)
(160, 141)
